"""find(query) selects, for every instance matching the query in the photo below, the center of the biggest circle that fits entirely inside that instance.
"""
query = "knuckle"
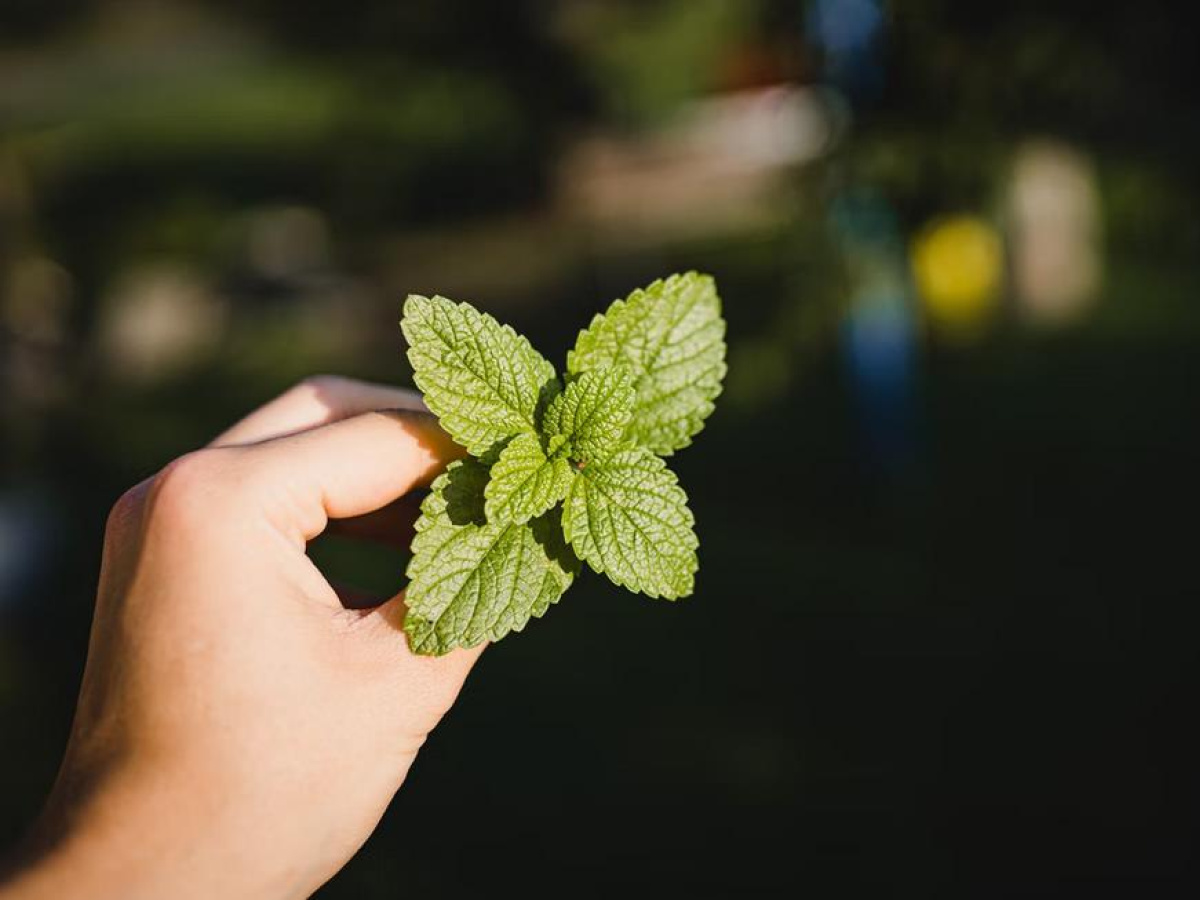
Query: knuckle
(126, 510)
(189, 482)
(321, 384)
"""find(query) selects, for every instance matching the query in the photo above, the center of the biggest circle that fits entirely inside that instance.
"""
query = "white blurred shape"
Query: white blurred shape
(720, 163)
(159, 320)
(1054, 232)
(766, 128)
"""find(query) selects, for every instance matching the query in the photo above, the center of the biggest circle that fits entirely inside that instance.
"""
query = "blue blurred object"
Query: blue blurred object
(879, 332)
(847, 32)
(880, 356)
(27, 542)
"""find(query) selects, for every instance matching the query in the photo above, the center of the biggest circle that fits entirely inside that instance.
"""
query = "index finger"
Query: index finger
(348, 468)
(315, 401)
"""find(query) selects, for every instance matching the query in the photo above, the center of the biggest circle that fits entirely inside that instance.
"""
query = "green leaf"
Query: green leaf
(493, 549)
(481, 379)
(670, 337)
(592, 414)
(474, 581)
(525, 482)
(627, 517)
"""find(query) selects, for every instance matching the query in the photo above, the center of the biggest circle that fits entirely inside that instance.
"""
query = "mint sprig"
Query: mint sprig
(558, 474)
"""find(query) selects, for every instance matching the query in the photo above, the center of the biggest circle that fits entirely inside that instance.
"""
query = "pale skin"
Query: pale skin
(239, 731)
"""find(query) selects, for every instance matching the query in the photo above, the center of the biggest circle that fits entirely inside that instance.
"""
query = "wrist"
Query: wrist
(142, 833)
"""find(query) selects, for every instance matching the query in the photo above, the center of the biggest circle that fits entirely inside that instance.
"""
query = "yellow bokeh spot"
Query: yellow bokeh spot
(957, 264)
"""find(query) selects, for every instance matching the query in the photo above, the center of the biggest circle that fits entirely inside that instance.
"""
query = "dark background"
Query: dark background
(943, 637)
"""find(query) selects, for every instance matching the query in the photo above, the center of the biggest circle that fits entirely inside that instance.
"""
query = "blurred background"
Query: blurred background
(943, 639)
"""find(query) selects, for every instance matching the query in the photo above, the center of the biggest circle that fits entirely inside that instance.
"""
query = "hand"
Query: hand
(239, 731)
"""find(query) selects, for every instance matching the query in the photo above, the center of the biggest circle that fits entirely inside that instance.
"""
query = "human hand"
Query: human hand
(239, 731)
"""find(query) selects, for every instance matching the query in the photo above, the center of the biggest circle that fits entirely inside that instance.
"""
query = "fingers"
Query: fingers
(348, 468)
(314, 402)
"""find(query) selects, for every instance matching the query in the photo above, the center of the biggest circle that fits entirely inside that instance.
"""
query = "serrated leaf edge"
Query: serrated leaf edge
(617, 579)
(434, 405)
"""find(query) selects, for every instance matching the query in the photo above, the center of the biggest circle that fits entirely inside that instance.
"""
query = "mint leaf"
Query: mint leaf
(473, 580)
(481, 379)
(670, 337)
(525, 482)
(592, 414)
(627, 517)
(493, 547)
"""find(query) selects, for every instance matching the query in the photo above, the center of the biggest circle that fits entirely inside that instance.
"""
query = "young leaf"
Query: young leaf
(670, 337)
(525, 483)
(473, 580)
(592, 413)
(628, 518)
(481, 379)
